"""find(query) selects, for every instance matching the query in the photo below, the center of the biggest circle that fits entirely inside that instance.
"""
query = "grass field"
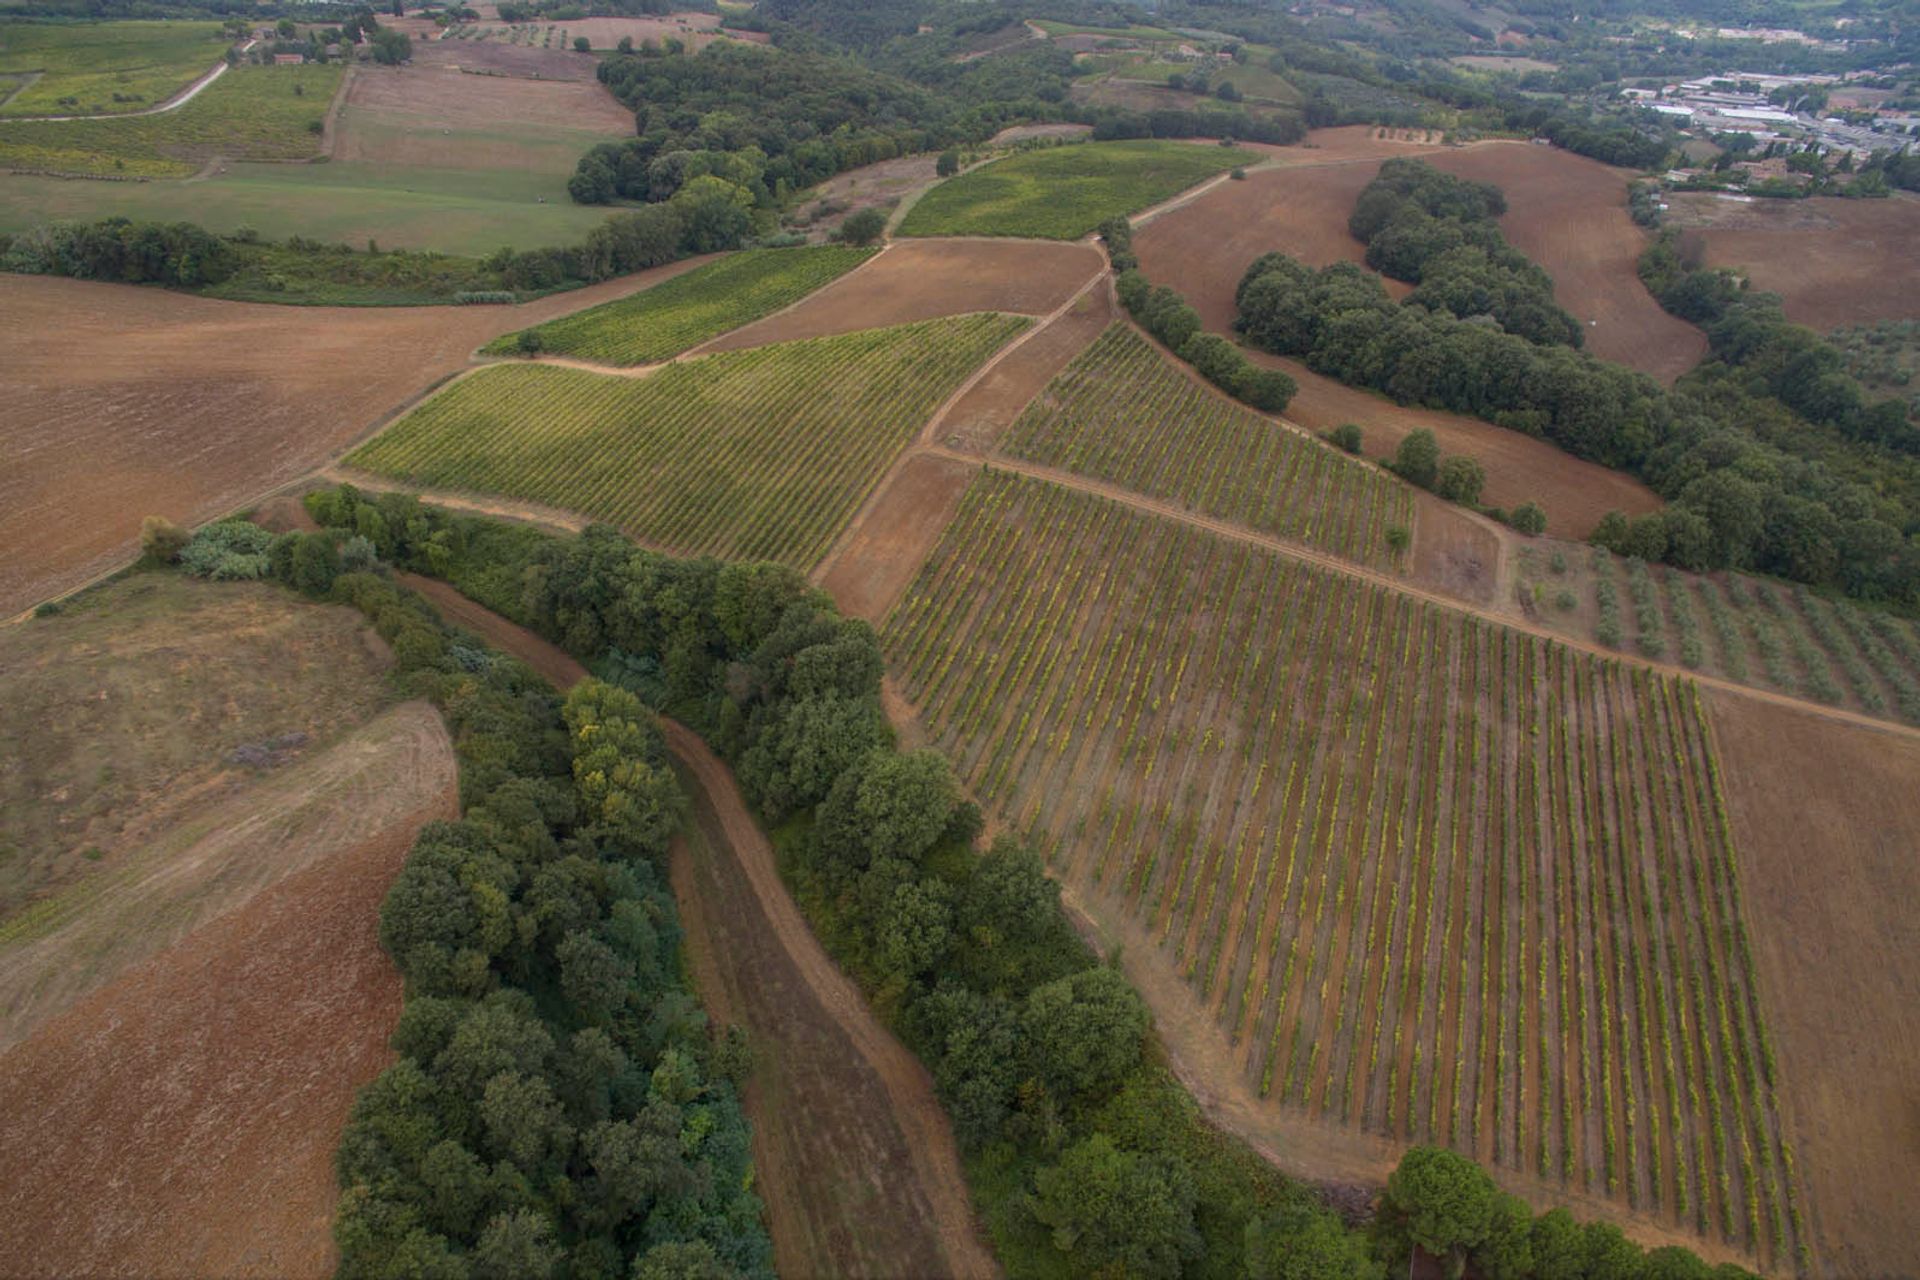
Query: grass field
(1063, 193)
(250, 113)
(1121, 413)
(1147, 34)
(102, 68)
(757, 455)
(1254, 80)
(689, 309)
(1435, 880)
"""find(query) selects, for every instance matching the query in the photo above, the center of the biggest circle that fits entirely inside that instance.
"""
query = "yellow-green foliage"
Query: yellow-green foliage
(103, 68)
(250, 113)
(751, 455)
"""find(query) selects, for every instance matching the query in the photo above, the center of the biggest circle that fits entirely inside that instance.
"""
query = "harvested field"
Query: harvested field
(973, 423)
(1520, 468)
(1569, 214)
(695, 30)
(1833, 262)
(885, 548)
(139, 694)
(923, 280)
(182, 1119)
(425, 117)
(1826, 821)
(122, 402)
(1583, 1016)
(499, 59)
(759, 454)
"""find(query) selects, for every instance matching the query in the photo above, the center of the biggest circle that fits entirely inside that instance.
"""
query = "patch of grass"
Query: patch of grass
(1053, 28)
(250, 113)
(688, 309)
(1253, 81)
(1063, 193)
(102, 68)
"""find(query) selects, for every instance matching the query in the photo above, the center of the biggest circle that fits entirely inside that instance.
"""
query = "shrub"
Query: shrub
(582, 45)
(1460, 480)
(529, 342)
(1529, 518)
(162, 540)
(1346, 436)
(1417, 460)
(948, 164)
(227, 551)
(863, 227)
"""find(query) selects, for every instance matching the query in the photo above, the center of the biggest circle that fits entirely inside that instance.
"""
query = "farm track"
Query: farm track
(929, 1151)
(174, 103)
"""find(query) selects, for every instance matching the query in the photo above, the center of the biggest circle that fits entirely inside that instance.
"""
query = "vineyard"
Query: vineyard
(1062, 193)
(1122, 414)
(752, 455)
(687, 310)
(1435, 879)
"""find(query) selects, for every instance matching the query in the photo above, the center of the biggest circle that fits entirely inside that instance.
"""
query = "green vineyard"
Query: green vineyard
(1434, 879)
(752, 455)
(688, 309)
(1122, 414)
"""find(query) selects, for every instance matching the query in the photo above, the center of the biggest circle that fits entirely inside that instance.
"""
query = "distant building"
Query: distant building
(287, 59)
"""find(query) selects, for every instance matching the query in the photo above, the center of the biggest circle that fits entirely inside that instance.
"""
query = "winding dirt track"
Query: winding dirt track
(924, 1151)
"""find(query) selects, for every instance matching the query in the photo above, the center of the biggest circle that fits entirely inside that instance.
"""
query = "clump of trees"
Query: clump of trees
(1163, 313)
(1438, 232)
(178, 253)
(1745, 487)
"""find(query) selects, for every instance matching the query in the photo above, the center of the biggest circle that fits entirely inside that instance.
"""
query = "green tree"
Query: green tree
(1119, 1212)
(948, 164)
(1529, 518)
(517, 1245)
(1346, 436)
(1559, 1249)
(1507, 1252)
(1299, 1243)
(1417, 460)
(391, 48)
(1460, 480)
(582, 45)
(1085, 1031)
(1442, 1202)
(682, 1260)
(1609, 1254)
(915, 929)
(863, 227)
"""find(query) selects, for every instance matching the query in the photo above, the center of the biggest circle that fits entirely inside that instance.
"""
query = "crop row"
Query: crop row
(1123, 414)
(1433, 878)
(759, 454)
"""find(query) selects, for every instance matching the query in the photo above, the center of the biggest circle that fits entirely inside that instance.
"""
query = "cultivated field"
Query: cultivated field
(1825, 817)
(185, 1024)
(1063, 193)
(1569, 214)
(1472, 888)
(250, 113)
(691, 308)
(1122, 414)
(758, 455)
(120, 402)
(103, 68)
(1834, 262)
(925, 279)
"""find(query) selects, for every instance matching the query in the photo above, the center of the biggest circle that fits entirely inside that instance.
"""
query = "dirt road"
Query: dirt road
(821, 1050)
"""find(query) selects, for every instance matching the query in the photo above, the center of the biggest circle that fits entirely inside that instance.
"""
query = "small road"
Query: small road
(174, 103)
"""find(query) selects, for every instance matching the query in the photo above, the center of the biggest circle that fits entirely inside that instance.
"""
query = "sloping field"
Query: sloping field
(1834, 262)
(182, 1119)
(758, 454)
(1826, 817)
(923, 280)
(119, 402)
(1121, 413)
(103, 68)
(1569, 214)
(1472, 888)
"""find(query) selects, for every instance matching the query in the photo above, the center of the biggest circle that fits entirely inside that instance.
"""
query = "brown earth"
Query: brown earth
(925, 279)
(974, 421)
(182, 1120)
(896, 1190)
(1455, 551)
(1827, 818)
(441, 119)
(1832, 261)
(497, 59)
(1569, 214)
(119, 402)
(866, 573)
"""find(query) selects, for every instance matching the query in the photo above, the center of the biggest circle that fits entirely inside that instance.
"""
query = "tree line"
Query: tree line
(1087, 1156)
(1736, 497)
(1437, 232)
(558, 1104)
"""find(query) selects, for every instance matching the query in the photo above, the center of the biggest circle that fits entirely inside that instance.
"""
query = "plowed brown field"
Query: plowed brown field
(1827, 818)
(925, 279)
(1833, 262)
(118, 402)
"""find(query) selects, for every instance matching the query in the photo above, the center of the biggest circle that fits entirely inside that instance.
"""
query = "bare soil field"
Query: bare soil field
(974, 422)
(119, 402)
(1455, 551)
(182, 1120)
(140, 694)
(1519, 467)
(1833, 262)
(693, 29)
(876, 1189)
(874, 564)
(925, 279)
(1826, 817)
(500, 60)
(441, 119)
(1569, 214)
